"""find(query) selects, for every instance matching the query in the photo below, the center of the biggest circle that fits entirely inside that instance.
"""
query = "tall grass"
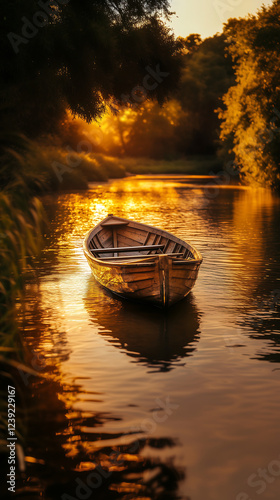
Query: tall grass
(21, 223)
(62, 168)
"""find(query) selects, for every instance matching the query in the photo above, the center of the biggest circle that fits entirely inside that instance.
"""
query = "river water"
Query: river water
(137, 403)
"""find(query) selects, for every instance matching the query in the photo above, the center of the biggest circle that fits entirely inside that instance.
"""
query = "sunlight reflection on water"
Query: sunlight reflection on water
(111, 360)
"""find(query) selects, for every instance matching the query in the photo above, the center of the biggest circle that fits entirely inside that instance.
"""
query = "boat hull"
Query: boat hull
(162, 281)
(124, 258)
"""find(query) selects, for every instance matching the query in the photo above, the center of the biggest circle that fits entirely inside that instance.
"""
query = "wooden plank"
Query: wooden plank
(175, 297)
(154, 243)
(155, 292)
(125, 241)
(188, 254)
(180, 290)
(92, 244)
(147, 238)
(137, 278)
(104, 235)
(132, 233)
(115, 241)
(125, 257)
(95, 243)
(139, 286)
(108, 243)
(128, 249)
(153, 230)
(114, 223)
(98, 241)
(166, 246)
(105, 238)
(176, 248)
(180, 274)
(133, 277)
(172, 248)
(135, 270)
(163, 266)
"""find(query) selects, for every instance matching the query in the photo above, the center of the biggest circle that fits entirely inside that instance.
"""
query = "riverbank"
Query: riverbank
(76, 170)
(192, 165)
(66, 169)
(59, 167)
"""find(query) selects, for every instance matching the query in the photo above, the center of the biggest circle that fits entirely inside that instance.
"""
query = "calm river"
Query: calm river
(142, 404)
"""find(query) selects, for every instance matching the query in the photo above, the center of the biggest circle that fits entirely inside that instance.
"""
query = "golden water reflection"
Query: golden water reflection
(214, 357)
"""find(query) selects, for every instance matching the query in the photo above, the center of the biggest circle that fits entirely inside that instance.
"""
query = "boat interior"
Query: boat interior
(119, 240)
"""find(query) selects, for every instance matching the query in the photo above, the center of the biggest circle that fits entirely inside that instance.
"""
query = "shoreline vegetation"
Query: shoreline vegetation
(76, 171)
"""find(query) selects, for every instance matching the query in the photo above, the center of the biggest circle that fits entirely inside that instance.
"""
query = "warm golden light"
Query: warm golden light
(124, 131)
(207, 18)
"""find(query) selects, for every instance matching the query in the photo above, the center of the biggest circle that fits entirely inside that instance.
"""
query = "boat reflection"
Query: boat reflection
(159, 339)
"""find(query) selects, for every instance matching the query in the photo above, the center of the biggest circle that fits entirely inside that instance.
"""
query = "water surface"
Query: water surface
(145, 404)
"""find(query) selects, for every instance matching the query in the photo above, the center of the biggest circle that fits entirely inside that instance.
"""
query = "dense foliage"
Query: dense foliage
(77, 54)
(186, 124)
(251, 120)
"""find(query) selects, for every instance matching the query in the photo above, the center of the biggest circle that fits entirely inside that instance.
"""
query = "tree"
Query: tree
(187, 123)
(68, 53)
(189, 43)
(206, 76)
(251, 119)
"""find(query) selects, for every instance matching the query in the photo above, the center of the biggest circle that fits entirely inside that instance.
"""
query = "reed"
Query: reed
(21, 226)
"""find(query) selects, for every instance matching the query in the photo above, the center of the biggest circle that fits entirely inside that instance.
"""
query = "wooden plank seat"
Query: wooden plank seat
(114, 223)
(148, 257)
(127, 249)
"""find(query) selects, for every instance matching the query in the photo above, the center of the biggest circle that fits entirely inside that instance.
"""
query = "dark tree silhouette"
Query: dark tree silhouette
(68, 53)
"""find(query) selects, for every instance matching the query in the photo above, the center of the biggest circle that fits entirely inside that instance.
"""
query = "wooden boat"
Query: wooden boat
(138, 261)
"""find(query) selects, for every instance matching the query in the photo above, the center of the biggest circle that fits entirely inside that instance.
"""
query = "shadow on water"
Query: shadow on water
(159, 339)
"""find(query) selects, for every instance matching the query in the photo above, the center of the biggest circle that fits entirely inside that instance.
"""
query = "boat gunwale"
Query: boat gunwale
(141, 260)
